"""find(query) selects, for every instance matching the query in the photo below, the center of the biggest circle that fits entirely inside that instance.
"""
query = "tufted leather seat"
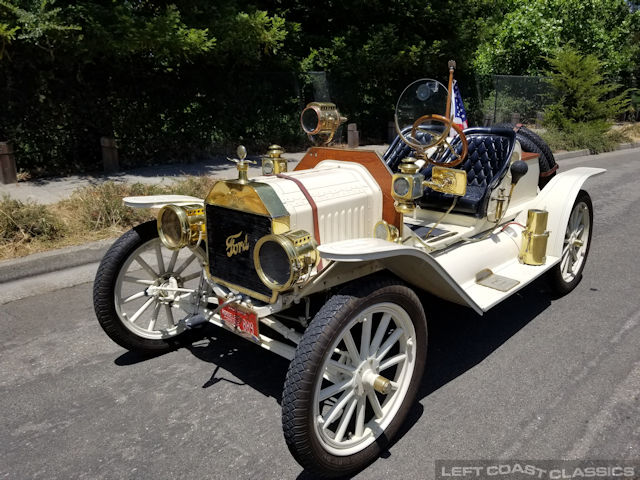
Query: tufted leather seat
(487, 162)
(399, 149)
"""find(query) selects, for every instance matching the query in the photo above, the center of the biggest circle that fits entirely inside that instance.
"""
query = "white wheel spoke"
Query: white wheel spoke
(574, 254)
(135, 296)
(565, 250)
(154, 317)
(375, 403)
(565, 262)
(333, 390)
(360, 412)
(386, 346)
(340, 367)
(332, 414)
(159, 258)
(146, 266)
(401, 357)
(575, 220)
(191, 276)
(580, 231)
(365, 338)
(351, 348)
(174, 259)
(185, 264)
(142, 309)
(346, 419)
(382, 329)
(167, 309)
(141, 281)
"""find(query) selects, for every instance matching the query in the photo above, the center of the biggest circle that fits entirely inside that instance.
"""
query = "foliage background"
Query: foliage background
(174, 80)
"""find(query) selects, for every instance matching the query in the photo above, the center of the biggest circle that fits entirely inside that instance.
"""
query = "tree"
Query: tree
(534, 29)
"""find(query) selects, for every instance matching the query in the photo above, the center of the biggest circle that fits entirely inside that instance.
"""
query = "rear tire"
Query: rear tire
(566, 275)
(335, 422)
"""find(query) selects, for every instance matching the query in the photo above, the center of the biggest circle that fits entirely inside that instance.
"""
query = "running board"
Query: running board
(487, 296)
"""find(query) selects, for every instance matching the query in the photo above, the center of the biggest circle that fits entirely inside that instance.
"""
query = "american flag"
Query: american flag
(457, 107)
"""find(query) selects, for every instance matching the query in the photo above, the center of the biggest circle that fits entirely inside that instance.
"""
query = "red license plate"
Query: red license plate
(242, 321)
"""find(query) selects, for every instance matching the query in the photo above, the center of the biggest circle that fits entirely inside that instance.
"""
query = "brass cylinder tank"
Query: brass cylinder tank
(533, 250)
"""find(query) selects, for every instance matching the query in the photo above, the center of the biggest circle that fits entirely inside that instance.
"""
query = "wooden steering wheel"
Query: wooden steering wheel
(441, 140)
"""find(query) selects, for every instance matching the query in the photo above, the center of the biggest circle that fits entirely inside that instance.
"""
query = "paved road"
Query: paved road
(535, 378)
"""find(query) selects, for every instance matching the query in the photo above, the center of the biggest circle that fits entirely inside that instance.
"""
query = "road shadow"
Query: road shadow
(249, 363)
(459, 338)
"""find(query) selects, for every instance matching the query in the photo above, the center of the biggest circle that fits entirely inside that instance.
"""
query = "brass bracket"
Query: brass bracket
(447, 180)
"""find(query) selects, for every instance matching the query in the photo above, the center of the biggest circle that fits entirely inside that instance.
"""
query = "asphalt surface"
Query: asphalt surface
(535, 378)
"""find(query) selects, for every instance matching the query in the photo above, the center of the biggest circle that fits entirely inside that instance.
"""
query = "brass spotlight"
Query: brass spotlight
(320, 121)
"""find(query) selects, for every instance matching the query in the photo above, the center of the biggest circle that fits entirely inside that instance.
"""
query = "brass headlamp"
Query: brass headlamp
(181, 226)
(321, 120)
(281, 260)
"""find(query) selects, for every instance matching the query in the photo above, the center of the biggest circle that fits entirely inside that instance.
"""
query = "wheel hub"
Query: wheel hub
(367, 377)
(166, 292)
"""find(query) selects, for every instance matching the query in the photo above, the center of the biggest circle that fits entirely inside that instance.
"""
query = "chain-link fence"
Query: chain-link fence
(511, 98)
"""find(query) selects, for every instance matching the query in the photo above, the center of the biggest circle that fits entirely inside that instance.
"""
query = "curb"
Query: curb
(627, 146)
(54, 260)
(571, 154)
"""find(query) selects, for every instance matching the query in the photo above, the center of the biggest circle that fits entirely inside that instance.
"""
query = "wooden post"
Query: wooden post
(109, 155)
(8, 172)
(353, 136)
(391, 132)
(539, 119)
(515, 118)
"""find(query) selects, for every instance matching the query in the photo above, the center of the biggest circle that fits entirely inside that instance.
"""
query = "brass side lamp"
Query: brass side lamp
(408, 184)
(273, 163)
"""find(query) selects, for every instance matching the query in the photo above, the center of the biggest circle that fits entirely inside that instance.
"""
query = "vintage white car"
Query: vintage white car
(321, 265)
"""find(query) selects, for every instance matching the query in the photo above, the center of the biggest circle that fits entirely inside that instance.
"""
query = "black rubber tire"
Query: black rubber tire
(103, 293)
(526, 138)
(559, 286)
(324, 330)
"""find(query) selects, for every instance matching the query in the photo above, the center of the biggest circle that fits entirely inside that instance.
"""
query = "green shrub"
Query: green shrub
(23, 222)
(584, 103)
(593, 136)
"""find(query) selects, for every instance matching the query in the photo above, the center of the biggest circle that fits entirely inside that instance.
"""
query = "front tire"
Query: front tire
(141, 290)
(335, 418)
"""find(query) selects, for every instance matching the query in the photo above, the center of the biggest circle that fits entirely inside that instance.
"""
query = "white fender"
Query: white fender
(159, 201)
(409, 263)
(558, 197)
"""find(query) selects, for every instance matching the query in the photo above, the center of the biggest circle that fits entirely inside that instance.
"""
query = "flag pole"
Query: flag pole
(452, 67)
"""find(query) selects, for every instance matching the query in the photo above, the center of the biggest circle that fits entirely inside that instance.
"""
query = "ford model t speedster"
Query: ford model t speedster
(321, 264)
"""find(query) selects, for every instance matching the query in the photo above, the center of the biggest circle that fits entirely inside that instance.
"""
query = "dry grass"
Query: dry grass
(631, 131)
(90, 214)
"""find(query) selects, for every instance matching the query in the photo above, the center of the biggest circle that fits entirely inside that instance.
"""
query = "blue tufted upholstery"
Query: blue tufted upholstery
(486, 164)
(399, 149)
